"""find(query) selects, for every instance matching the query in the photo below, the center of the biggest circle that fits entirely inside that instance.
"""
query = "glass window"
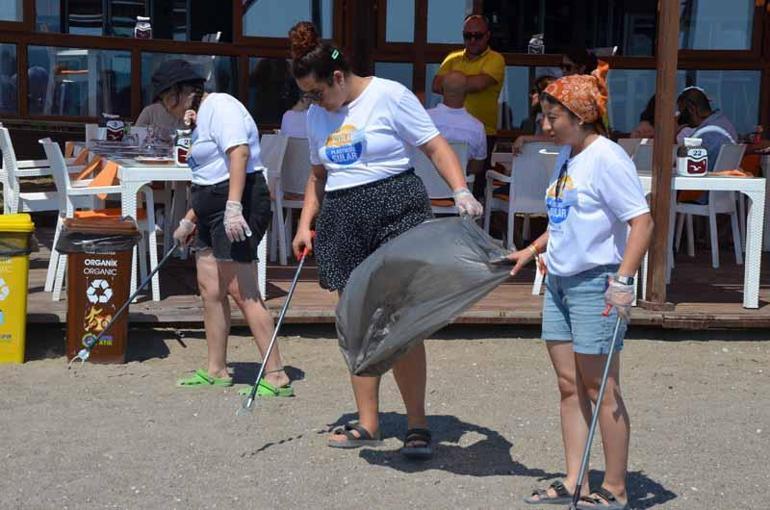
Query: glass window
(220, 72)
(272, 89)
(736, 93)
(274, 18)
(396, 71)
(170, 19)
(78, 82)
(431, 98)
(8, 79)
(399, 22)
(717, 24)
(12, 10)
(445, 20)
(630, 91)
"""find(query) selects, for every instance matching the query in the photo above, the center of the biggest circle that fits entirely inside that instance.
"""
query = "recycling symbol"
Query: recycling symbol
(4, 290)
(99, 292)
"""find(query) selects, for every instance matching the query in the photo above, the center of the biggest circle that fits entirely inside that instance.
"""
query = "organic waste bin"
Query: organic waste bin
(15, 241)
(99, 254)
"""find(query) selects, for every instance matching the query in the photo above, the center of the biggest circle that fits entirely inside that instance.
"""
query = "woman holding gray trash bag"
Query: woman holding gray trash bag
(231, 212)
(362, 192)
(591, 257)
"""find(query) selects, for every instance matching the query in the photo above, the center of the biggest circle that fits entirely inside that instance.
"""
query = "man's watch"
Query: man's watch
(625, 280)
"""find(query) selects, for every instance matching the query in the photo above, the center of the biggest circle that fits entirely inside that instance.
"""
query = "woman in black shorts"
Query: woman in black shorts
(364, 193)
(231, 210)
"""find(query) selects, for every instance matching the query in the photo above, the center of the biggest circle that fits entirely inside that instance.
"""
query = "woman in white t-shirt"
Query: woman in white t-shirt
(294, 121)
(591, 258)
(231, 212)
(364, 192)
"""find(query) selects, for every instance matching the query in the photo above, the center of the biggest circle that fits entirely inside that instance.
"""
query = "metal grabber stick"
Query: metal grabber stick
(249, 400)
(92, 341)
(595, 417)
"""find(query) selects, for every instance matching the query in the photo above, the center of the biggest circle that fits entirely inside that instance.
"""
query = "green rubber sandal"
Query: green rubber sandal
(265, 389)
(202, 378)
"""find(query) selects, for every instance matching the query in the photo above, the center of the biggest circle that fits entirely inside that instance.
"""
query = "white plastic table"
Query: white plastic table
(755, 189)
(133, 175)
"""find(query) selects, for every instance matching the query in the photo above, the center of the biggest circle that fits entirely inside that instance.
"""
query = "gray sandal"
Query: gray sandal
(541, 497)
(601, 499)
(364, 438)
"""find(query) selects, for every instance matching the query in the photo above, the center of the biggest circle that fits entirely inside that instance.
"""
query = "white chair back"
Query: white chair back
(60, 175)
(272, 149)
(642, 157)
(8, 173)
(730, 157)
(530, 175)
(295, 170)
(434, 184)
(630, 145)
(94, 132)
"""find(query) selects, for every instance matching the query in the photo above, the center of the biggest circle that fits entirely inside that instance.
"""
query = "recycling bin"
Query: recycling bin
(15, 241)
(99, 251)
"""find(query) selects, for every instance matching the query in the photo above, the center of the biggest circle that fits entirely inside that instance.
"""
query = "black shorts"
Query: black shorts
(354, 222)
(209, 202)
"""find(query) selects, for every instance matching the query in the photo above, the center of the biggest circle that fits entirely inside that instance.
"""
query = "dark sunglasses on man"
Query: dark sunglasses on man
(473, 36)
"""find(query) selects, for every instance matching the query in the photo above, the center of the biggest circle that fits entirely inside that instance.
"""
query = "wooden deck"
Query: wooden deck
(704, 298)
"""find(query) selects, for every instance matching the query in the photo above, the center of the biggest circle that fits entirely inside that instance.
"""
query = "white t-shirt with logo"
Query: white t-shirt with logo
(588, 223)
(371, 138)
(457, 125)
(222, 123)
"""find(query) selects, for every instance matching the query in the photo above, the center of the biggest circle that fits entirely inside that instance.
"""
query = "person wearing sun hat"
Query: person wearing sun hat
(590, 258)
(165, 76)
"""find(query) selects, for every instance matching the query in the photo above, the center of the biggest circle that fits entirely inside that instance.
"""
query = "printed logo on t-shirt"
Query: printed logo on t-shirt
(558, 207)
(344, 146)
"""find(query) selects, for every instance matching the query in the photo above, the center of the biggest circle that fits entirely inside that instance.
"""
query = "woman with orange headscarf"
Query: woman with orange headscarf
(591, 258)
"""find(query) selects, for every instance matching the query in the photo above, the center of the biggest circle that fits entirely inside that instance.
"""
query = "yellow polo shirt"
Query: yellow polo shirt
(482, 105)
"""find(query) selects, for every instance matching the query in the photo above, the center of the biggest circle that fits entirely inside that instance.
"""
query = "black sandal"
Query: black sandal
(601, 499)
(364, 438)
(422, 452)
(541, 497)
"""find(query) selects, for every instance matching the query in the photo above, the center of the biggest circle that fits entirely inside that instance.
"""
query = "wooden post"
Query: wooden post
(667, 55)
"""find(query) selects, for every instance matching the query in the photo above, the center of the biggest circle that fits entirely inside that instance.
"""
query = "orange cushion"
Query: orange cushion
(442, 202)
(299, 197)
(501, 196)
(108, 213)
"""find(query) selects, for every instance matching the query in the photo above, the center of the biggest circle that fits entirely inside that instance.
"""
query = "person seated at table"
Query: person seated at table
(457, 125)
(699, 120)
(646, 126)
(534, 123)
(578, 61)
(294, 121)
(231, 213)
(156, 114)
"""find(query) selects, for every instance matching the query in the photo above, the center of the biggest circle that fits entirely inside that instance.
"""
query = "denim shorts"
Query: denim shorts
(572, 311)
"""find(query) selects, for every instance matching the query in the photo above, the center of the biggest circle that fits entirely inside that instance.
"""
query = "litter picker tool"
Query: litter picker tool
(92, 341)
(595, 417)
(249, 400)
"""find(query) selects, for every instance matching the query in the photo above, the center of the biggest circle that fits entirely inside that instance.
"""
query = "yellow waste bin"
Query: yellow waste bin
(15, 233)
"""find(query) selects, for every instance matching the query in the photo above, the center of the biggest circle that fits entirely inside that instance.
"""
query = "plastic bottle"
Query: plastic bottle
(691, 158)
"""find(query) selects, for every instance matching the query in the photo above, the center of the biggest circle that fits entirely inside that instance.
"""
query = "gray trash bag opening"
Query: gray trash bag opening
(413, 286)
(79, 242)
(13, 248)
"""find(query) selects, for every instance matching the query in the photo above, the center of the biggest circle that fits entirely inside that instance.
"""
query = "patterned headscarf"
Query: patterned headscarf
(585, 95)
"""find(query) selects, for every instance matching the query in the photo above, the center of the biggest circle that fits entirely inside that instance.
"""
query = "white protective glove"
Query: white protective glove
(619, 296)
(467, 204)
(183, 233)
(236, 228)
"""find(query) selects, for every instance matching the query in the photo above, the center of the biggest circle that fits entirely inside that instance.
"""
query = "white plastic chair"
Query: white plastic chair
(16, 201)
(439, 192)
(630, 145)
(719, 202)
(67, 196)
(530, 172)
(272, 148)
(289, 190)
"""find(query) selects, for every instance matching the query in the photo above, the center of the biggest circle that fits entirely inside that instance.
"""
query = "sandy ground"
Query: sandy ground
(123, 436)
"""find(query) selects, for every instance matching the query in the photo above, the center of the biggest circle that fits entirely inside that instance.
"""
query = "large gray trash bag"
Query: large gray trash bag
(413, 286)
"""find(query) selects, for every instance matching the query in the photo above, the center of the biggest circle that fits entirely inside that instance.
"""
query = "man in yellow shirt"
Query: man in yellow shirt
(484, 69)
